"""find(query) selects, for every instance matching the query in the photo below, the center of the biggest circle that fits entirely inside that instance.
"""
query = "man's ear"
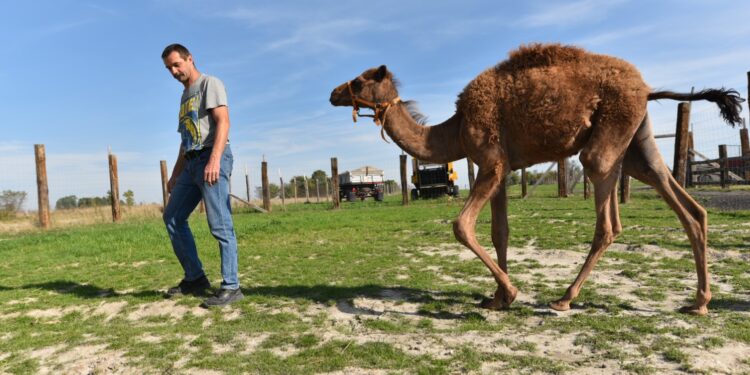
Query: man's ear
(381, 73)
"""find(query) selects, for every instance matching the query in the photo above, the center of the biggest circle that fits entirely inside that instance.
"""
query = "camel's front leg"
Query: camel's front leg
(607, 227)
(500, 232)
(487, 184)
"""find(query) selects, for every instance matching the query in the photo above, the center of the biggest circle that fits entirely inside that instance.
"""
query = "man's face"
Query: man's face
(179, 68)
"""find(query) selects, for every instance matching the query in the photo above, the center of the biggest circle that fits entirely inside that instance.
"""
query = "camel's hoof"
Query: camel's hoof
(694, 310)
(493, 304)
(560, 305)
(501, 301)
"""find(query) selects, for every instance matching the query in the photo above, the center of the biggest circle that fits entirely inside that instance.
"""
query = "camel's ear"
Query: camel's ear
(381, 73)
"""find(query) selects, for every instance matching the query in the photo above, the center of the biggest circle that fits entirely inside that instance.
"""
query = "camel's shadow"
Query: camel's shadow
(454, 305)
(451, 305)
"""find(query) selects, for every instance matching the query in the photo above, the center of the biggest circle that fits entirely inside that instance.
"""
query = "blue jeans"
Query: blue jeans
(186, 194)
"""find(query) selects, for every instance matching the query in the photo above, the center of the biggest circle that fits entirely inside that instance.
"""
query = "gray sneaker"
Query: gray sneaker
(223, 297)
(196, 287)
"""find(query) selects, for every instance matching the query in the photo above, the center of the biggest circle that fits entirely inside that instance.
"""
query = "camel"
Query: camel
(544, 103)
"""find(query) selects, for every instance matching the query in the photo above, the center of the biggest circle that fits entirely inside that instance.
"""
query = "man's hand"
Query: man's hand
(211, 173)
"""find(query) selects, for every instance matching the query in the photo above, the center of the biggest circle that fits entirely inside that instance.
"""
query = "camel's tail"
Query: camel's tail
(728, 101)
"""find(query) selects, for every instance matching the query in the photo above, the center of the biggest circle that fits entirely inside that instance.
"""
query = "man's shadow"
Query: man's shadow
(85, 291)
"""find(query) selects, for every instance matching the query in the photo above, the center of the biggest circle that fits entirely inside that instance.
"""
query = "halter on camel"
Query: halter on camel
(380, 108)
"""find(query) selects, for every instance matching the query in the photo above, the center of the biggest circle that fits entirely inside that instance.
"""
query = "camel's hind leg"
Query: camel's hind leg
(644, 162)
(486, 185)
(500, 230)
(613, 129)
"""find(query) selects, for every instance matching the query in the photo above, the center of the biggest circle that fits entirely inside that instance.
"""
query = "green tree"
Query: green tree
(67, 202)
(129, 198)
(273, 189)
(513, 178)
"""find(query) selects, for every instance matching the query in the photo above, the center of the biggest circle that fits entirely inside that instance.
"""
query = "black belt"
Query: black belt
(190, 155)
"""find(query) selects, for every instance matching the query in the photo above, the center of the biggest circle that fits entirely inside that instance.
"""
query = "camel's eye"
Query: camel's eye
(356, 84)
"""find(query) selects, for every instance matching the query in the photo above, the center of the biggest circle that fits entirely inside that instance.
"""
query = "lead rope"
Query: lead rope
(380, 122)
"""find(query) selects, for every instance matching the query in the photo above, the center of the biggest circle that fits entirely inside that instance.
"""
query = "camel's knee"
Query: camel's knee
(461, 230)
(594, 164)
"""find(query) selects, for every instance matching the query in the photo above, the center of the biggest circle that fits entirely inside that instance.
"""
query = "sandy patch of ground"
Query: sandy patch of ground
(252, 342)
(165, 308)
(150, 339)
(87, 359)
(52, 315)
(231, 313)
(22, 301)
(109, 309)
(358, 371)
(723, 360)
(197, 371)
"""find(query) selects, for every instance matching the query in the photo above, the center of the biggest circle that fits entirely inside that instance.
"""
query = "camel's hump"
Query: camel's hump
(540, 55)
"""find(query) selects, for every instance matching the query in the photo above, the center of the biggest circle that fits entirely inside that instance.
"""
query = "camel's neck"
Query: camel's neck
(438, 144)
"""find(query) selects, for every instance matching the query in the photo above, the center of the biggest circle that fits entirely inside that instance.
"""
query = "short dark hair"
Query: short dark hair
(176, 47)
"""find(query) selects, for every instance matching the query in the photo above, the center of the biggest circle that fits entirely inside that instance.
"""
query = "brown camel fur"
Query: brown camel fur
(545, 103)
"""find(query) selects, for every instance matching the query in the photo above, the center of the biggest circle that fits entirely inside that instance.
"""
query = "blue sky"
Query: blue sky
(84, 76)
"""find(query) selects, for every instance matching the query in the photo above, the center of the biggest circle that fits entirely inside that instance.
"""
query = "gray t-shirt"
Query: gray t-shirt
(196, 125)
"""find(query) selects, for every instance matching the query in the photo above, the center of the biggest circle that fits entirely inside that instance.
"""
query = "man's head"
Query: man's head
(178, 60)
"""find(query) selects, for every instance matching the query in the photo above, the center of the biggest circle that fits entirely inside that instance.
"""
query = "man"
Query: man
(201, 171)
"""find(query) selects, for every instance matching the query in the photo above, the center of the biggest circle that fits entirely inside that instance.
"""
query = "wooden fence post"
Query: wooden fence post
(264, 185)
(294, 188)
(307, 191)
(690, 160)
(681, 142)
(562, 179)
(586, 185)
(624, 187)
(41, 186)
(724, 165)
(404, 184)
(114, 188)
(524, 182)
(745, 145)
(247, 184)
(164, 181)
(327, 193)
(317, 191)
(282, 192)
(335, 182)
(470, 165)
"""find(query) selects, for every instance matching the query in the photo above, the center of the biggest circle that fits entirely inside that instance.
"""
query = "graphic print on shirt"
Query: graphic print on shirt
(189, 123)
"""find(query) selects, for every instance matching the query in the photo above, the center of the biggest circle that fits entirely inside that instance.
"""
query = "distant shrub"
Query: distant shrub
(11, 203)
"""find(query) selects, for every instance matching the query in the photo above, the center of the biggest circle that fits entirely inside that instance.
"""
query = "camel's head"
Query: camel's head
(373, 86)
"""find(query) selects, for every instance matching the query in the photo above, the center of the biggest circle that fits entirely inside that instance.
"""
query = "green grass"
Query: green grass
(300, 266)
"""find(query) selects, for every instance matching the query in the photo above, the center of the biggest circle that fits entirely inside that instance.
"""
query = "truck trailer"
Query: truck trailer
(362, 183)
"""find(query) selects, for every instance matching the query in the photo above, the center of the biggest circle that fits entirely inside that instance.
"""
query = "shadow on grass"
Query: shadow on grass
(729, 304)
(83, 290)
(332, 294)
(435, 304)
